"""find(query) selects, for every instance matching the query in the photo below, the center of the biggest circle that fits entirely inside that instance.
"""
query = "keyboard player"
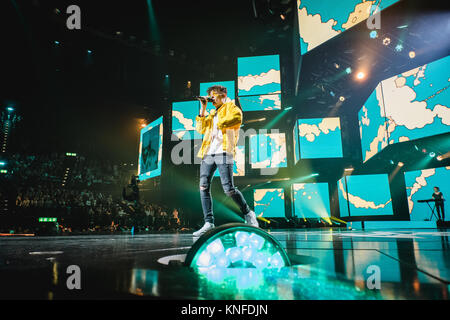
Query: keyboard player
(439, 200)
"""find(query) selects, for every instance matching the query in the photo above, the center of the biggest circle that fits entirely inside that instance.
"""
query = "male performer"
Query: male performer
(221, 134)
(439, 197)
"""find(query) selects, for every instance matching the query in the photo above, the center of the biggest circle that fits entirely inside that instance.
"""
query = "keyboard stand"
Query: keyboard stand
(432, 211)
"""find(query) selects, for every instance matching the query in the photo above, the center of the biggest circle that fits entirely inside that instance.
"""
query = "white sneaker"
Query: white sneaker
(206, 227)
(250, 218)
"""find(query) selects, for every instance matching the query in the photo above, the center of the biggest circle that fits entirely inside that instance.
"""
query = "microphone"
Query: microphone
(208, 99)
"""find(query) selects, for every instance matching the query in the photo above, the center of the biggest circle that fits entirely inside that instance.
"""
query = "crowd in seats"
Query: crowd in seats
(41, 186)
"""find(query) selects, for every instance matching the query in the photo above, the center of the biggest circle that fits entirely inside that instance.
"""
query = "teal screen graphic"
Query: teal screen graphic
(183, 119)
(259, 83)
(319, 21)
(342, 197)
(295, 135)
(408, 106)
(150, 150)
(419, 186)
(239, 163)
(311, 200)
(269, 203)
(268, 150)
(372, 125)
(365, 195)
(318, 138)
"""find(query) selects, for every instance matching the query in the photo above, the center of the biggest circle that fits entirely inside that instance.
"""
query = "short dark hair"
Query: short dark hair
(218, 88)
(437, 188)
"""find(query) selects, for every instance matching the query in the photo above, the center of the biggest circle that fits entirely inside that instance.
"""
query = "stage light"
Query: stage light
(432, 154)
(400, 164)
(391, 162)
(439, 158)
(236, 245)
(2, 163)
(342, 98)
(386, 41)
(360, 75)
(56, 42)
(314, 175)
(89, 51)
(348, 70)
(287, 108)
(412, 54)
(373, 34)
(336, 66)
(399, 47)
(282, 17)
(349, 169)
(10, 109)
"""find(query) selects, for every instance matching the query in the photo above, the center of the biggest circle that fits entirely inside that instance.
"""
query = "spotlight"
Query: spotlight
(386, 41)
(391, 162)
(349, 169)
(342, 98)
(439, 158)
(360, 75)
(10, 109)
(336, 66)
(432, 154)
(282, 17)
(400, 164)
(373, 34)
(348, 70)
(89, 51)
(236, 245)
(56, 42)
(412, 54)
(314, 175)
(287, 108)
(399, 47)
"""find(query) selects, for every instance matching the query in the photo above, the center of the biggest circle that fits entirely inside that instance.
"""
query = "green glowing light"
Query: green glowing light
(236, 246)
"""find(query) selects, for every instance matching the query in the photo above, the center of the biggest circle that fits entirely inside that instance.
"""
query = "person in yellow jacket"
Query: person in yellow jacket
(221, 133)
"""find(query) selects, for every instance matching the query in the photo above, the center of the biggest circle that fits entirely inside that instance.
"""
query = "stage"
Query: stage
(327, 264)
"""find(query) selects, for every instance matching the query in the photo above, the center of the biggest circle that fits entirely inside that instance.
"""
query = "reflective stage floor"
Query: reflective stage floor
(328, 264)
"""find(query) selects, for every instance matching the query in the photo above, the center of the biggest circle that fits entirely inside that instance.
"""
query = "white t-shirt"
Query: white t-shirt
(216, 138)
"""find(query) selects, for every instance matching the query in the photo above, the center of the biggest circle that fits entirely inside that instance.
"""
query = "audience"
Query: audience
(72, 190)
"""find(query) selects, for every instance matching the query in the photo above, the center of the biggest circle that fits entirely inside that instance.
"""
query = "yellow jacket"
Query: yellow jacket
(229, 122)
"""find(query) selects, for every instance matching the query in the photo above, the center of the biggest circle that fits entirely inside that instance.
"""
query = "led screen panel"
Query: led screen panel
(296, 141)
(268, 150)
(269, 203)
(320, 138)
(261, 103)
(239, 163)
(259, 83)
(259, 75)
(311, 200)
(417, 102)
(342, 197)
(366, 195)
(183, 119)
(372, 125)
(409, 106)
(150, 150)
(419, 186)
(319, 21)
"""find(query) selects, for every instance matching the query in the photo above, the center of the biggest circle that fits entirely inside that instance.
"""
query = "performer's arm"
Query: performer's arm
(201, 122)
(232, 119)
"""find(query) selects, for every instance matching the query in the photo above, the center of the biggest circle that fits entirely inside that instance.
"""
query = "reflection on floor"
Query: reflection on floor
(328, 264)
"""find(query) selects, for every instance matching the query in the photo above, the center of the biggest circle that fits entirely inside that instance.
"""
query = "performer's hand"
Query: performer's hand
(203, 102)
